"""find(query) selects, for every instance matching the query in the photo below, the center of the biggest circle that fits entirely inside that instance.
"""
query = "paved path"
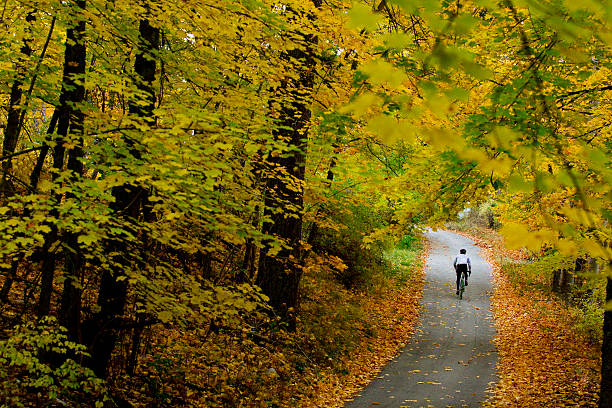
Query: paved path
(451, 359)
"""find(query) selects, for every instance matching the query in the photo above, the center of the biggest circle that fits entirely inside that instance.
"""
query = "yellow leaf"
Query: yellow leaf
(164, 316)
(567, 247)
(518, 236)
(362, 16)
(361, 104)
(380, 72)
(386, 128)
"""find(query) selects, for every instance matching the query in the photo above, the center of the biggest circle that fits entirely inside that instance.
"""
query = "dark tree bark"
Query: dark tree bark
(68, 113)
(42, 155)
(130, 202)
(605, 396)
(11, 137)
(12, 130)
(250, 252)
(556, 280)
(135, 349)
(567, 282)
(70, 306)
(205, 261)
(279, 275)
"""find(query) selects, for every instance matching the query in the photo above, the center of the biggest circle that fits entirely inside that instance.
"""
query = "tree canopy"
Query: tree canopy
(178, 163)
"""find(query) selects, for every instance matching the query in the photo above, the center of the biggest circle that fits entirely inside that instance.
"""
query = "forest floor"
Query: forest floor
(344, 337)
(545, 361)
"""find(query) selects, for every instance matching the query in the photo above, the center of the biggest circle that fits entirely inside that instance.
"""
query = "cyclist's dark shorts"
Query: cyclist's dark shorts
(462, 268)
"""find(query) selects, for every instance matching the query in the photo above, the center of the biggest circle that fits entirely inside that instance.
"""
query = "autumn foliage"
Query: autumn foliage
(175, 173)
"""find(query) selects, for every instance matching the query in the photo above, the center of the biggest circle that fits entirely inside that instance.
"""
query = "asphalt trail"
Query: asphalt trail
(450, 361)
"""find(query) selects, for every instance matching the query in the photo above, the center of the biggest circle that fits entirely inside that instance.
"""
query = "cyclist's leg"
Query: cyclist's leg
(461, 269)
(466, 276)
(458, 279)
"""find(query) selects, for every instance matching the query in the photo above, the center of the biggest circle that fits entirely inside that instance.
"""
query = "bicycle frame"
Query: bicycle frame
(462, 284)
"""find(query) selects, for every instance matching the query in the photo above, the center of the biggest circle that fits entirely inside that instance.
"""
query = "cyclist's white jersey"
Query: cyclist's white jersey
(462, 259)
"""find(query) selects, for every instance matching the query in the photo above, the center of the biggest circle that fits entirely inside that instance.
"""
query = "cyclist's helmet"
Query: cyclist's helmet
(462, 251)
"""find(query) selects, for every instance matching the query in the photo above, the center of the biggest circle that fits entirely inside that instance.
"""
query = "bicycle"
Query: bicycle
(462, 284)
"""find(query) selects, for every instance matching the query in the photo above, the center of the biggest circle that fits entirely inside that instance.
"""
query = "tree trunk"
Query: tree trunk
(70, 307)
(11, 137)
(135, 349)
(205, 262)
(128, 204)
(68, 112)
(279, 274)
(42, 155)
(556, 280)
(34, 177)
(605, 396)
(11, 133)
(250, 252)
(567, 282)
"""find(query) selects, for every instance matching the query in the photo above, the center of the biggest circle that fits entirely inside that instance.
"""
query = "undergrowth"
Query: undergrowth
(584, 302)
(404, 259)
(342, 334)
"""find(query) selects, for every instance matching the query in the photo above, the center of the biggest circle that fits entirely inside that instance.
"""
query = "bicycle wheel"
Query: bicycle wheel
(461, 286)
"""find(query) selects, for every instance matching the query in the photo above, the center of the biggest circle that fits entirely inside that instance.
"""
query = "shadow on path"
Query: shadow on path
(450, 360)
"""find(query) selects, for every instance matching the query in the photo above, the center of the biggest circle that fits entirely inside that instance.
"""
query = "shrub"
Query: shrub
(589, 318)
(404, 259)
(407, 242)
(482, 216)
(29, 379)
(347, 243)
(585, 298)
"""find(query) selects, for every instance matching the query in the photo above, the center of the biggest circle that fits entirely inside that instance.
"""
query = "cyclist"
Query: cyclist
(462, 265)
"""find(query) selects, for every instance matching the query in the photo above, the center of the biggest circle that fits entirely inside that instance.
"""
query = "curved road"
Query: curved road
(450, 361)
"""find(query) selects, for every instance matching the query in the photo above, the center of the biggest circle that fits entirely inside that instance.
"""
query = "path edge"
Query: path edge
(351, 385)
